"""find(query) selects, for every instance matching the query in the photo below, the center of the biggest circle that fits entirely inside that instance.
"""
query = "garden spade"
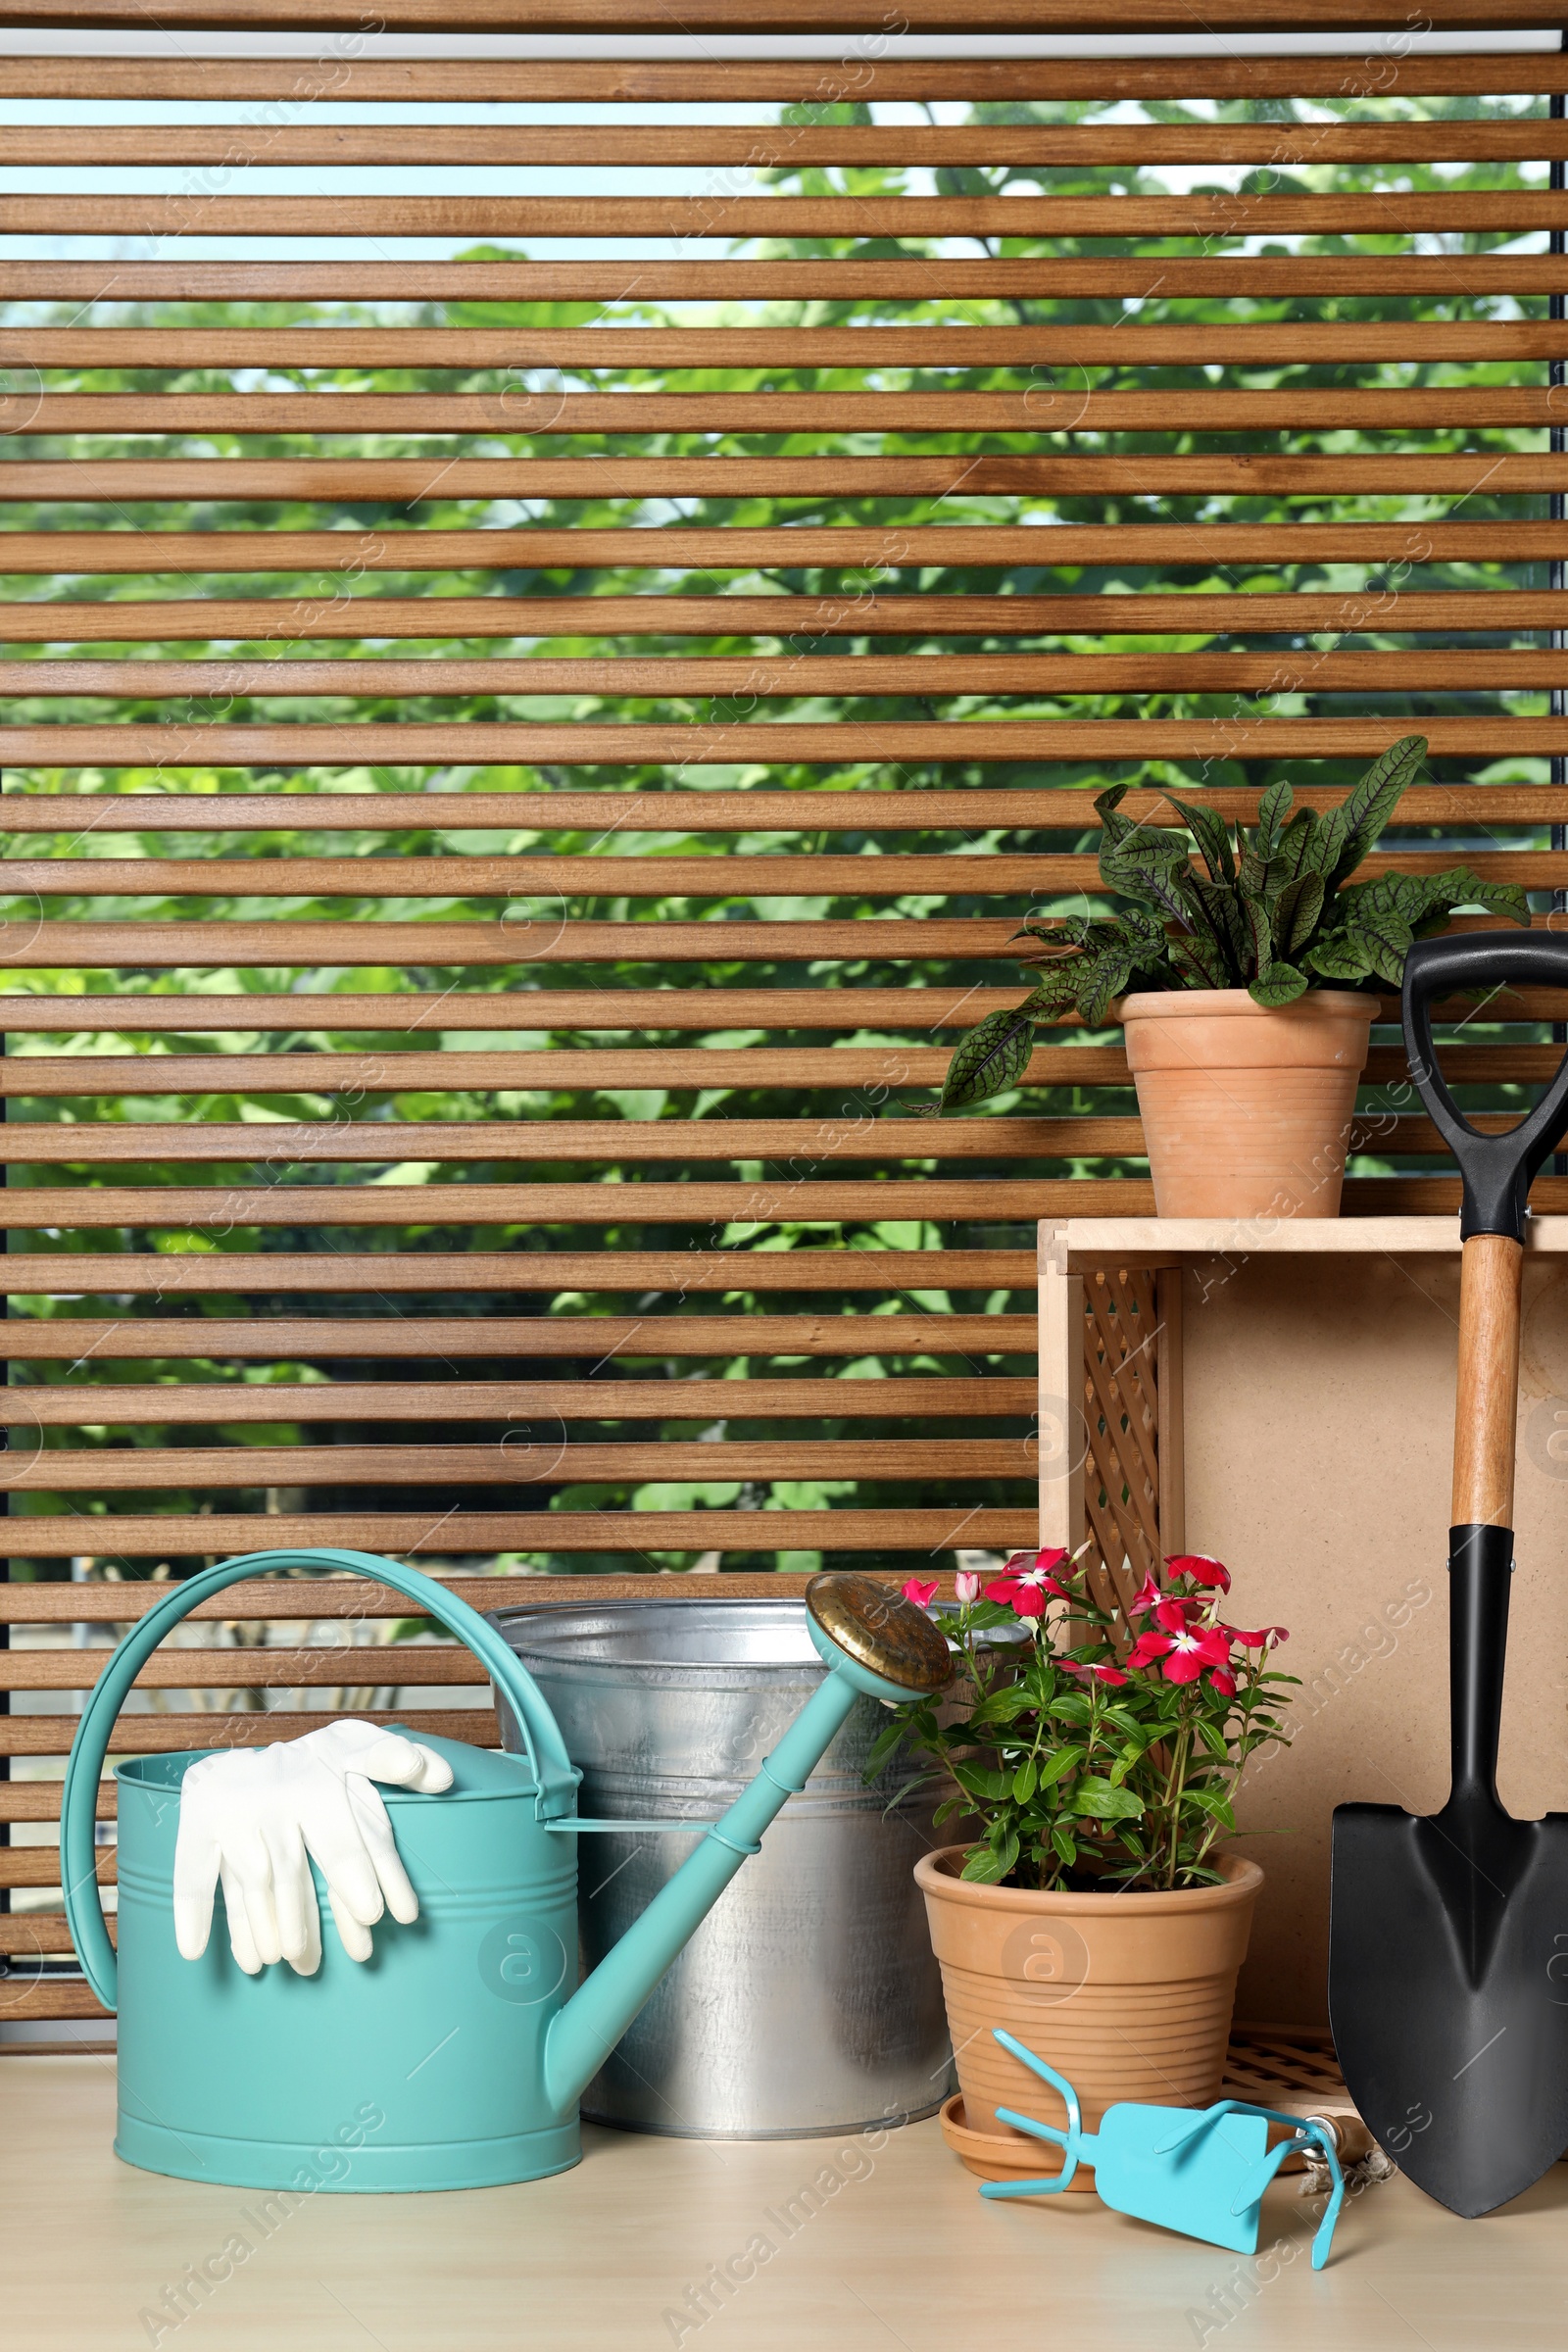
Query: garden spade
(1448, 1936)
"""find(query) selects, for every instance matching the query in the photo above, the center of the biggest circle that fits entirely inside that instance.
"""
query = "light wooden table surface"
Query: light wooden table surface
(900, 2252)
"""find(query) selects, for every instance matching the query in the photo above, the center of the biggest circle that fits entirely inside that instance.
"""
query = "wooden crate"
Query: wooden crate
(1283, 1398)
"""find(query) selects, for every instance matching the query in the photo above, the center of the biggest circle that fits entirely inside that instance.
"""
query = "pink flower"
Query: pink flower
(1201, 1568)
(921, 1592)
(1173, 1616)
(1264, 1637)
(1223, 1681)
(1101, 1674)
(1027, 1592)
(1185, 1654)
(1026, 1581)
(1147, 1596)
(966, 1585)
(1022, 1563)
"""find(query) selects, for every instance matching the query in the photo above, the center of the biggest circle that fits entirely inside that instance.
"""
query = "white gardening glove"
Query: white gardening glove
(252, 1817)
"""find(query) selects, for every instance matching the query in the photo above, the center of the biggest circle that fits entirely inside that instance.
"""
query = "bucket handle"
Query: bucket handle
(553, 1774)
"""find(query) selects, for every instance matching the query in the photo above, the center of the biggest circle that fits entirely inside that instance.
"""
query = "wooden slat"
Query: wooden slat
(142, 620)
(312, 1598)
(564, 1011)
(1059, 408)
(1040, 808)
(212, 1404)
(48, 1999)
(409, 480)
(774, 145)
(40, 1800)
(764, 1202)
(477, 876)
(276, 1340)
(538, 1011)
(1405, 1137)
(408, 1534)
(854, 1133)
(470, 875)
(175, 1469)
(543, 938)
(63, 553)
(1041, 676)
(546, 936)
(1367, 213)
(692, 349)
(31, 1935)
(1488, 1064)
(603, 1273)
(839, 743)
(614, 1142)
(188, 1669)
(39, 1866)
(691, 80)
(917, 279)
(36, 1077)
(172, 1735)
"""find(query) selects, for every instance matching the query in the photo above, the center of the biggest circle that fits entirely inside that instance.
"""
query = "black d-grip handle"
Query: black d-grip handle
(1497, 1169)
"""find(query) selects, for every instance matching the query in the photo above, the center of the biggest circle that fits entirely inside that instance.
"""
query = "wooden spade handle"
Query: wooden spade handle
(1487, 1407)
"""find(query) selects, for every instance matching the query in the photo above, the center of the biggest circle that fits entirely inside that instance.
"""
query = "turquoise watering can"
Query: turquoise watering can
(454, 2057)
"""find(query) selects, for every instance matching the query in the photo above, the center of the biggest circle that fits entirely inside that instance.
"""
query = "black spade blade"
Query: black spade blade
(1449, 1994)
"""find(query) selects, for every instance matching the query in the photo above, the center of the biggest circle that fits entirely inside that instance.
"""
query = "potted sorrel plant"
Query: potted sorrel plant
(1246, 989)
(1094, 1911)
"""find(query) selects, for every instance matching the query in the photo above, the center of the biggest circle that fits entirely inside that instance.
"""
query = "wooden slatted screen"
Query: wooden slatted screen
(551, 639)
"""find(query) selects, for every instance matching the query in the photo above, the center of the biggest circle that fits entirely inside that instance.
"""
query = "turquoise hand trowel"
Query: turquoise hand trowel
(1201, 2172)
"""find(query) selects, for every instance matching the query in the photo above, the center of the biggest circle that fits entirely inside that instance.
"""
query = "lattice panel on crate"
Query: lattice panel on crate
(1121, 1474)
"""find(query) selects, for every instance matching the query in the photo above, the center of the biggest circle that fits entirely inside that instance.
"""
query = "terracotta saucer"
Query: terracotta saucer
(992, 2158)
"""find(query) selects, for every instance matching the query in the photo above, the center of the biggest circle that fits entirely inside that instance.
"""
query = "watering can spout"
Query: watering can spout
(877, 1646)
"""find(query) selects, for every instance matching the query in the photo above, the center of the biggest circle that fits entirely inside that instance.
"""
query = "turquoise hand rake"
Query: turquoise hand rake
(1203, 2172)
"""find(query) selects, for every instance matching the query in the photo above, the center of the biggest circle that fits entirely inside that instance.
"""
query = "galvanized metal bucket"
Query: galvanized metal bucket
(809, 2001)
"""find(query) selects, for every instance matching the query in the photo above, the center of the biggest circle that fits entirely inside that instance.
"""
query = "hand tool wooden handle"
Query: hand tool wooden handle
(1487, 1403)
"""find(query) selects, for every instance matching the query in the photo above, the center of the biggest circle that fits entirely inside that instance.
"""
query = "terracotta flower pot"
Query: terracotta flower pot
(1246, 1110)
(1127, 1995)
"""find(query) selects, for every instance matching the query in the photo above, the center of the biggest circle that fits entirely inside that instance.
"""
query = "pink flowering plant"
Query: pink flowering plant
(1102, 1748)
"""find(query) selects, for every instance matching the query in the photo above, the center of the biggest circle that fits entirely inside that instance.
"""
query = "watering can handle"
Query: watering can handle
(554, 1773)
(1497, 1169)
